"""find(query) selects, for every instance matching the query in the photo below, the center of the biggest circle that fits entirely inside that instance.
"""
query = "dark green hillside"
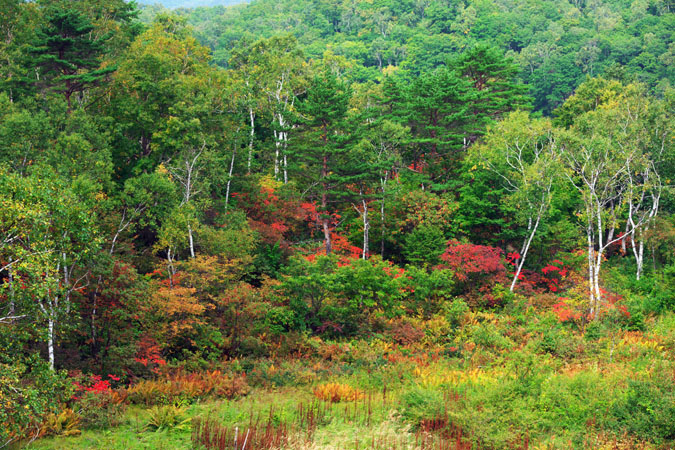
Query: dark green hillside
(557, 43)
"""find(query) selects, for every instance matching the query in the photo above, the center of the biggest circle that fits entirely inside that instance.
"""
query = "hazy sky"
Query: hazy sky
(190, 3)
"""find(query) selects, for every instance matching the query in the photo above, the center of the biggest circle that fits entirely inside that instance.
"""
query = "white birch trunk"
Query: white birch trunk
(192, 243)
(366, 229)
(50, 341)
(229, 174)
(523, 252)
(250, 143)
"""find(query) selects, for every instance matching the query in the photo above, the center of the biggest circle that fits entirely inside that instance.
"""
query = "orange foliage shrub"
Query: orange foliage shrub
(336, 392)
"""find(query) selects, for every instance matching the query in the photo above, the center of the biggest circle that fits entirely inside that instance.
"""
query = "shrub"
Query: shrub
(100, 410)
(188, 387)
(28, 392)
(167, 417)
(647, 410)
(455, 312)
(488, 335)
(424, 245)
(336, 392)
(404, 332)
(65, 423)
(420, 404)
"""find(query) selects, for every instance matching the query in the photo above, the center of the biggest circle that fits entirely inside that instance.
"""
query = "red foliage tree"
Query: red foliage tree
(471, 260)
(477, 268)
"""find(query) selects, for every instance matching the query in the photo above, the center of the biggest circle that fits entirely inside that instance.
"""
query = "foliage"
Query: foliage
(326, 199)
(167, 417)
(65, 423)
(335, 392)
(30, 393)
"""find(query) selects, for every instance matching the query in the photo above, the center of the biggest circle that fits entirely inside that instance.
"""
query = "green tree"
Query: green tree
(323, 156)
(67, 58)
(523, 153)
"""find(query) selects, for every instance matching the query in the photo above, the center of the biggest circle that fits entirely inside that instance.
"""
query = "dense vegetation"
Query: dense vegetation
(337, 224)
(556, 43)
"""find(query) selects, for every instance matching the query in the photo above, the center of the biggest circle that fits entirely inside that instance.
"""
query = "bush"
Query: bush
(29, 392)
(456, 311)
(104, 410)
(65, 423)
(420, 404)
(556, 341)
(188, 387)
(424, 245)
(167, 417)
(336, 392)
(488, 335)
(647, 410)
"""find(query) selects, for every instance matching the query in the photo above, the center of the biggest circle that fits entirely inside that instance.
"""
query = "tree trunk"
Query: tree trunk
(192, 244)
(524, 250)
(591, 248)
(324, 206)
(276, 155)
(50, 339)
(366, 228)
(285, 146)
(229, 174)
(250, 144)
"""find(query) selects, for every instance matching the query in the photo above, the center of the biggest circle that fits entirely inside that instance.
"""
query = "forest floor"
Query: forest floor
(518, 379)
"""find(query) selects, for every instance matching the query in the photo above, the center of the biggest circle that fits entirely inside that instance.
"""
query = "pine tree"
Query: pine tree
(323, 157)
(496, 87)
(66, 55)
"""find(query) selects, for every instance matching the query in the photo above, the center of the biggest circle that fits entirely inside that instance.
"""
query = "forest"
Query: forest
(323, 224)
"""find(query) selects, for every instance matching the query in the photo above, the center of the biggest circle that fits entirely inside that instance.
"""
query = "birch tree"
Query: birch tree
(603, 162)
(46, 241)
(273, 73)
(187, 172)
(522, 153)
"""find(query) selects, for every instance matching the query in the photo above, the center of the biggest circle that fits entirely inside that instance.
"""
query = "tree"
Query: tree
(163, 93)
(497, 89)
(272, 68)
(523, 153)
(605, 157)
(435, 107)
(323, 155)
(68, 59)
(47, 235)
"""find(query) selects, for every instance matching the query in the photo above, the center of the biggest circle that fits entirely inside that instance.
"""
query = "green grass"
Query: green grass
(550, 383)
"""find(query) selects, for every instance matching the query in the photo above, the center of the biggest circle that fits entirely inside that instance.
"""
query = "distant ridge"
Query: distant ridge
(191, 3)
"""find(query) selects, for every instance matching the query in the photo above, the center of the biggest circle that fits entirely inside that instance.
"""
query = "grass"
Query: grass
(509, 383)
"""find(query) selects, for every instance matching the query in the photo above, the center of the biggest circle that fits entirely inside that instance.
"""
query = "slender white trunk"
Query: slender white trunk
(192, 243)
(638, 252)
(50, 340)
(285, 138)
(524, 250)
(640, 259)
(250, 143)
(591, 272)
(229, 173)
(366, 229)
(277, 144)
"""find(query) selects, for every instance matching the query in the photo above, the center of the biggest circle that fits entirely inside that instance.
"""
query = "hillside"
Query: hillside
(556, 43)
(337, 224)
